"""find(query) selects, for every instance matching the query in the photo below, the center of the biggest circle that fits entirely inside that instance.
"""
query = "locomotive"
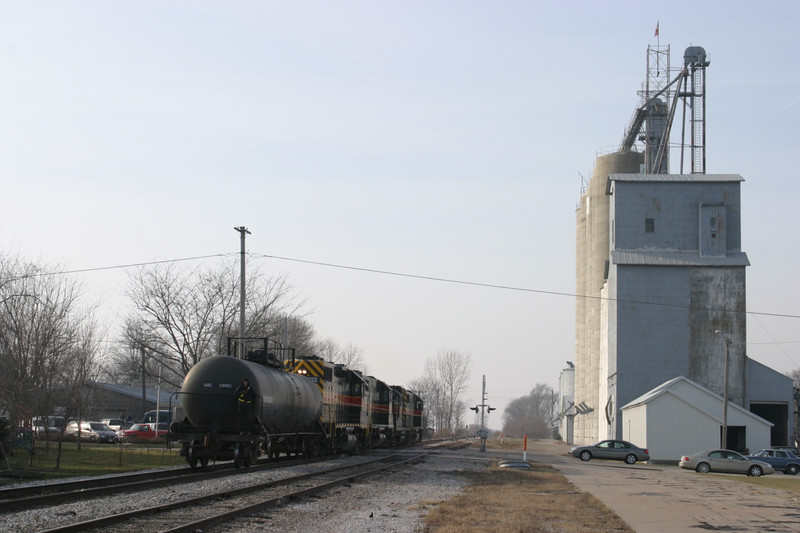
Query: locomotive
(305, 406)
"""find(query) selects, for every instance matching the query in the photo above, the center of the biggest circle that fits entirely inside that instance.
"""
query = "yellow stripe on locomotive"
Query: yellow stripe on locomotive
(314, 369)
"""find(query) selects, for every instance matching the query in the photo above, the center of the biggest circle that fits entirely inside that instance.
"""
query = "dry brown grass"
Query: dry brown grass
(520, 501)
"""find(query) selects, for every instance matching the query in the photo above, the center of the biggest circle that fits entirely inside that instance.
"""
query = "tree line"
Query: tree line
(52, 345)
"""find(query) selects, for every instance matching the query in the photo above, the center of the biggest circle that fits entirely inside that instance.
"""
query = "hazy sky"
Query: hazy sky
(444, 139)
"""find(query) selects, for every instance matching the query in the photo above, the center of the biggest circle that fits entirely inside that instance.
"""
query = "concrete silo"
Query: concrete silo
(593, 232)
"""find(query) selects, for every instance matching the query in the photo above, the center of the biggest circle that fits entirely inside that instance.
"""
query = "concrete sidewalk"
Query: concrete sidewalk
(667, 499)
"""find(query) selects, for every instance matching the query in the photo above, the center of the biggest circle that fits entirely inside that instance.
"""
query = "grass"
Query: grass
(539, 500)
(91, 460)
(523, 501)
(777, 481)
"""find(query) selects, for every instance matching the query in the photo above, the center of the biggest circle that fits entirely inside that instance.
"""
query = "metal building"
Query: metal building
(680, 417)
(661, 275)
(660, 271)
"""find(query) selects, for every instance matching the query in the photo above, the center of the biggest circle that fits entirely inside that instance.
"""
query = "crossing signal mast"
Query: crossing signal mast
(483, 433)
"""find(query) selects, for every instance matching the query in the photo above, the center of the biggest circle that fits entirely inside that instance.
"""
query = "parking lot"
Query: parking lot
(653, 498)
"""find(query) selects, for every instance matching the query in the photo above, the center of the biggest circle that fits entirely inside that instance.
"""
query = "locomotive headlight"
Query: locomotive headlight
(302, 371)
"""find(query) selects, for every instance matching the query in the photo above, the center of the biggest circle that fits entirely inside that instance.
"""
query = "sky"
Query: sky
(432, 139)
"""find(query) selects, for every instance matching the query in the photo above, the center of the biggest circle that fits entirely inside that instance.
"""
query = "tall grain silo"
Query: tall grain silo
(593, 229)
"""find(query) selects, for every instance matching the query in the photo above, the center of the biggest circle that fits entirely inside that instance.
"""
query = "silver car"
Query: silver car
(725, 461)
(91, 432)
(611, 449)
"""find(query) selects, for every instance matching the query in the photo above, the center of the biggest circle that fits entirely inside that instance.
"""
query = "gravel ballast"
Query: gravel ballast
(395, 502)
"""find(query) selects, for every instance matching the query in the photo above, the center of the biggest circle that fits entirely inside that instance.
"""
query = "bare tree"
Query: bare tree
(300, 335)
(530, 415)
(425, 388)
(351, 356)
(795, 375)
(449, 371)
(41, 322)
(81, 370)
(182, 317)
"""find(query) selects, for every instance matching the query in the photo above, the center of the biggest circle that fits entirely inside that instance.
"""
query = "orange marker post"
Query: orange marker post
(525, 448)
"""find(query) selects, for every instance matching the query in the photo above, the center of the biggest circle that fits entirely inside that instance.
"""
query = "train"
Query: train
(303, 406)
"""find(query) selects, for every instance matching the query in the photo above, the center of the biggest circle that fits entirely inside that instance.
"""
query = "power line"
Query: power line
(398, 274)
(117, 267)
(508, 287)
(780, 346)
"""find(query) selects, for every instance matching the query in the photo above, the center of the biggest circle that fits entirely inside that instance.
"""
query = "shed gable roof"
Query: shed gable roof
(674, 387)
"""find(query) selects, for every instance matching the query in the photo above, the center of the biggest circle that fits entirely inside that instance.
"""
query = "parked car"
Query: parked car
(782, 460)
(145, 432)
(91, 431)
(611, 449)
(116, 424)
(164, 415)
(792, 449)
(48, 426)
(725, 461)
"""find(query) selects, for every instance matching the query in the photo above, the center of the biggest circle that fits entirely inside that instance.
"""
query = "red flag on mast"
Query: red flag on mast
(656, 34)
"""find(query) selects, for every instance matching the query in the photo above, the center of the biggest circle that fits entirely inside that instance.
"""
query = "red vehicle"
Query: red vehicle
(145, 432)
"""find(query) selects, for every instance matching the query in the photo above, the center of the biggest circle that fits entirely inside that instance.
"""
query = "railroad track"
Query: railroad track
(61, 492)
(202, 512)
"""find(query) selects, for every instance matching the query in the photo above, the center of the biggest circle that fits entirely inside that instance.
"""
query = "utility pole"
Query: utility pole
(483, 433)
(242, 231)
(724, 443)
(144, 388)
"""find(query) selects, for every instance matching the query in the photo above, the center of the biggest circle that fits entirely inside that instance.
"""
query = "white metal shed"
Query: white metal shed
(680, 417)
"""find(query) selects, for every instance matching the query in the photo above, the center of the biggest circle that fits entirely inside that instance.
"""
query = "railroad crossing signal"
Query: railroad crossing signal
(483, 433)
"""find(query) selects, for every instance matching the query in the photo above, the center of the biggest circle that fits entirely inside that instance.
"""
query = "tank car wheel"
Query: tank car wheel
(191, 458)
(204, 462)
(237, 456)
(309, 449)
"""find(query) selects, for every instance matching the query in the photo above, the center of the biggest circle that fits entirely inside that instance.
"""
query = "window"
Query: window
(649, 225)
(712, 223)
